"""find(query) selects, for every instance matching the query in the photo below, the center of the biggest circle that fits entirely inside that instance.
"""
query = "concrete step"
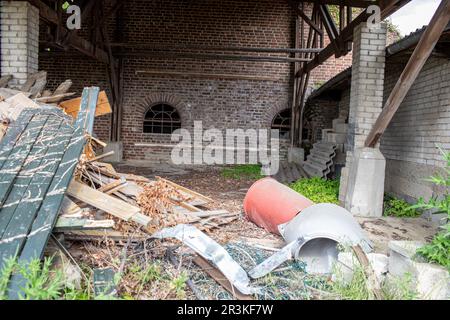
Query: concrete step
(312, 172)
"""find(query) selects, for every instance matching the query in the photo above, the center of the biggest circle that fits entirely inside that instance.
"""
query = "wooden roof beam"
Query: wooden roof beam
(388, 7)
(73, 40)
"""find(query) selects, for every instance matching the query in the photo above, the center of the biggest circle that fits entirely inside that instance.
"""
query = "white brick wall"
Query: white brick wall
(366, 94)
(423, 119)
(19, 40)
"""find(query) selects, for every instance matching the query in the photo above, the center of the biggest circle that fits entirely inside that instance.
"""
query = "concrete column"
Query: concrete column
(362, 180)
(19, 40)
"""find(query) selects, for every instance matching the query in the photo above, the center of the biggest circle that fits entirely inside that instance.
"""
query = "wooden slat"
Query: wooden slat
(109, 204)
(72, 106)
(14, 132)
(48, 212)
(17, 157)
(42, 173)
(69, 224)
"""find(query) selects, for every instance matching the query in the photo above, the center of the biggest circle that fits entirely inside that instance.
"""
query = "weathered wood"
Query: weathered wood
(415, 64)
(372, 281)
(107, 203)
(197, 75)
(98, 235)
(68, 224)
(55, 98)
(63, 88)
(38, 76)
(14, 133)
(18, 155)
(40, 172)
(72, 106)
(49, 209)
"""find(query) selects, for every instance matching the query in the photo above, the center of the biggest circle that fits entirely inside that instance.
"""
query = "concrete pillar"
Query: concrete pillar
(362, 180)
(19, 40)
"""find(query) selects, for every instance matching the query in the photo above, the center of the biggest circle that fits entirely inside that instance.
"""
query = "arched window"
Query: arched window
(282, 122)
(161, 118)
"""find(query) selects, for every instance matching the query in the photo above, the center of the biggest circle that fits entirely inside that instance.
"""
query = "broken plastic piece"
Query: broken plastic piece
(211, 251)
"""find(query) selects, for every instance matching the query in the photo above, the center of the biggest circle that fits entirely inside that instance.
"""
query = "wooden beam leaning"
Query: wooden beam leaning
(415, 64)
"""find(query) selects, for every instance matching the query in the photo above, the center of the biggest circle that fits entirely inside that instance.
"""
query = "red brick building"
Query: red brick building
(221, 93)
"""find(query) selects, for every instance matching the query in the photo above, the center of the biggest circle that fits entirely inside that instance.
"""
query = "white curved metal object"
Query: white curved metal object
(323, 226)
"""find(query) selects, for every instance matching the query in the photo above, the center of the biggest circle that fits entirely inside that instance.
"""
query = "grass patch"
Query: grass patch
(245, 171)
(318, 190)
(399, 208)
(357, 288)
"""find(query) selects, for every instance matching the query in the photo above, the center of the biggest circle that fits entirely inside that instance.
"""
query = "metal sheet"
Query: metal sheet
(285, 254)
(211, 251)
(323, 226)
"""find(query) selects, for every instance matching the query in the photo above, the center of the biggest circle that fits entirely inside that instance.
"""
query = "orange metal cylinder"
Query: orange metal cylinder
(269, 203)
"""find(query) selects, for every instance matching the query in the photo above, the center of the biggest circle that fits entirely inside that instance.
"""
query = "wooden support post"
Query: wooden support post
(415, 64)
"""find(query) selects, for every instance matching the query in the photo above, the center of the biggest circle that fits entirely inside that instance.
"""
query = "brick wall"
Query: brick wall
(217, 102)
(421, 123)
(19, 40)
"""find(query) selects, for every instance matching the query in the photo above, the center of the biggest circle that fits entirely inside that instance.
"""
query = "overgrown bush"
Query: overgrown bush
(318, 190)
(399, 208)
(438, 250)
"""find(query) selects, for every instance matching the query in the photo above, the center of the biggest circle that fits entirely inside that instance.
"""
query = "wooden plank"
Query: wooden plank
(415, 64)
(21, 194)
(68, 224)
(17, 157)
(49, 209)
(218, 276)
(13, 134)
(98, 235)
(68, 207)
(109, 204)
(71, 107)
(42, 173)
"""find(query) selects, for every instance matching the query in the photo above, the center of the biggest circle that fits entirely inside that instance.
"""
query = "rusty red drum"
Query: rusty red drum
(269, 203)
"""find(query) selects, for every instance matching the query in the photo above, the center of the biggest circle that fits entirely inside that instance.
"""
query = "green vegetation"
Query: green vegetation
(438, 250)
(318, 190)
(357, 288)
(40, 282)
(399, 208)
(246, 171)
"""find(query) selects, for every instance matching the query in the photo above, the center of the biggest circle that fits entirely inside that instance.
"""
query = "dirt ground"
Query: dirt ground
(227, 194)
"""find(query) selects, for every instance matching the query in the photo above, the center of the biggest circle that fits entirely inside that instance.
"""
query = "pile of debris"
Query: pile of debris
(51, 181)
